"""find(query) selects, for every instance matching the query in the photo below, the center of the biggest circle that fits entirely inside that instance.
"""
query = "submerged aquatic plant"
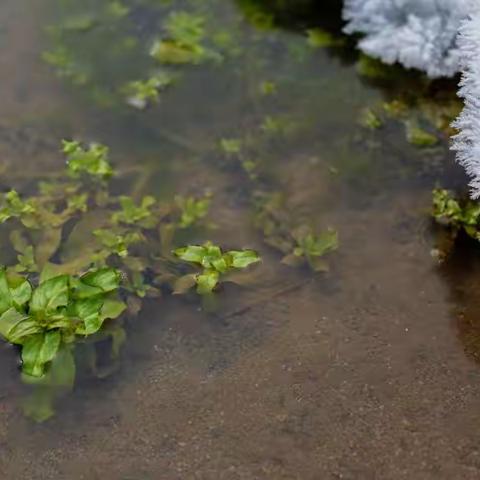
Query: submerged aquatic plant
(43, 318)
(98, 47)
(311, 248)
(300, 245)
(48, 317)
(84, 257)
(215, 264)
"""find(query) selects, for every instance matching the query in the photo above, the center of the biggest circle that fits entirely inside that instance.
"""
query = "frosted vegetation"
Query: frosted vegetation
(467, 142)
(440, 37)
(417, 33)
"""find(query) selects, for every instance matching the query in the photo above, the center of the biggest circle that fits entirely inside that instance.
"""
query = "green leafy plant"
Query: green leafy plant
(46, 320)
(92, 160)
(56, 311)
(299, 244)
(455, 215)
(419, 137)
(215, 264)
(311, 248)
(91, 42)
(319, 38)
(183, 42)
(141, 93)
(192, 210)
(86, 257)
(370, 119)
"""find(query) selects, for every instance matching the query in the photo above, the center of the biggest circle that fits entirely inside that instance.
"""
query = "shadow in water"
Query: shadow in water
(461, 271)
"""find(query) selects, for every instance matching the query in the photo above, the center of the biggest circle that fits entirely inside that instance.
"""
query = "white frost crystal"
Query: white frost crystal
(417, 33)
(467, 142)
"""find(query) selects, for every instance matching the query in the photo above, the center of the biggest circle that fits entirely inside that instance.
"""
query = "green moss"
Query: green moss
(419, 137)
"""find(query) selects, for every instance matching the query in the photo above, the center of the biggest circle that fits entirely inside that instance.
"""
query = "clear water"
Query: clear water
(366, 372)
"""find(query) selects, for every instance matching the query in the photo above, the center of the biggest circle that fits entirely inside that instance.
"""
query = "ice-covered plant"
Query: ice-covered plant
(416, 33)
(467, 142)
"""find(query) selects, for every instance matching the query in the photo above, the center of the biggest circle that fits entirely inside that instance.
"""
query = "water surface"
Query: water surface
(368, 371)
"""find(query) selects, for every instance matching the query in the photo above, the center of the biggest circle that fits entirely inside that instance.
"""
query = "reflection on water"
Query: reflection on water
(334, 375)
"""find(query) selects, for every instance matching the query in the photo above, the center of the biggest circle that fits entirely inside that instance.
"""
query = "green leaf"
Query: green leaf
(86, 307)
(47, 245)
(26, 261)
(326, 242)
(18, 240)
(9, 321)
(118, 243)
(119, 337)
(112, 309)
(243, 258)
(133, 214)
(293, 260)
(318, 38)
(50, 295)
(100, 281)
(87, 310)
(61, 372)
(183, 284)
(21, 294)
(14, 206)
(38, 350)
(192, 253)
(92, 161)
(5, 294)
(39, 405)
(207, 281)
(14, 290)
(23, 330)
(60, 376)
(419, 137)
(192, 209)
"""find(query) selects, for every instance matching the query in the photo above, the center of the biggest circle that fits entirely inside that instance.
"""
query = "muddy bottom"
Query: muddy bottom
(369, 371)
(359, 375)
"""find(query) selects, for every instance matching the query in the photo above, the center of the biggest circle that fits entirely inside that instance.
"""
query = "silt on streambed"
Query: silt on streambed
(361, 371)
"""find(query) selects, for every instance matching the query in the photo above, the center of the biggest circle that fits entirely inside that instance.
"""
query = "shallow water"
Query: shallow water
(368, 371)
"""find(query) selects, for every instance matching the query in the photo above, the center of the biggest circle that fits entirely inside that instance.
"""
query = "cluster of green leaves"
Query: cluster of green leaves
(72, 237)
(458, 215)
(47, 320)
(141, 93)
(320, 38)
(421, 128)
(92, 161)
(192, 210)
(93, 41)
(454, 215)
(215, 265)
(60, 308)
(184, 41)
(299, 244)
